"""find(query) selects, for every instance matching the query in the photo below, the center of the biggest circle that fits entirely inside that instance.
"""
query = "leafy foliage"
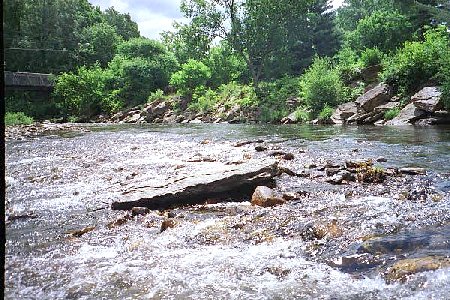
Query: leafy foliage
(418, 62)
(140, 67)
(17, 118)
(193, 74)
(371, 57)
(98, 44)
(83, 94)
(391, 113)
(385, 30)
(326, 112)
(321, 85)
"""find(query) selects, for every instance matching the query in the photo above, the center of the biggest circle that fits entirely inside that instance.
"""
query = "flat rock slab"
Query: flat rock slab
(213, 181)
(428, 99)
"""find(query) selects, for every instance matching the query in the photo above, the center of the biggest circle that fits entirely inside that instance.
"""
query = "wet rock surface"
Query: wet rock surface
(324, 240)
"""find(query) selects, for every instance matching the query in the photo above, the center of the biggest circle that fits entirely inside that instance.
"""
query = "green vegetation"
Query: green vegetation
(321, 86)
(17, 118)
(391, 113)
(270, 57)
(418, 61)
(193, 75)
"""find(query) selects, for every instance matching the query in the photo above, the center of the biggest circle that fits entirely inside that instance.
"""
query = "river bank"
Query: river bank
(347, 239)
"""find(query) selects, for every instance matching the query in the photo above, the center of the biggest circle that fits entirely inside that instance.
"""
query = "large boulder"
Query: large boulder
(215, 180)
(428, 99)
(343, 112)
(407, 115)
(376, 96)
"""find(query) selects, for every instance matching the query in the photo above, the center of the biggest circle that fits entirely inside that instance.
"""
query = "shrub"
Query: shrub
(391, 113)
(417, 62)
(203, 100)
(233, 93)
(140, 67)
(225, 65)
(321, 85)
(193, 74)
(155, 96)
(137, 77)
(17, 118)
(273, 96)
(84, 94)
(348, 64)
(302, 115)
(445, 75)
(326, 113)
(371, 57)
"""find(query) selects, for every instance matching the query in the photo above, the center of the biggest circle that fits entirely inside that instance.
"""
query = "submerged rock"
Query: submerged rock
(413, 171)
(402, 269)
(168, 223)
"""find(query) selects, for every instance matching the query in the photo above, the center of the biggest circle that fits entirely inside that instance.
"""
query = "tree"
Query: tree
(141, 66)
(193, 74)
(381, 29)
(98, 44)
(122, 23)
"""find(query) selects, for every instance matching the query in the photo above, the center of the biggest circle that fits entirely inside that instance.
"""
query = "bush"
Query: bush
(84, 94)
(386, 30)
(326, 113)
(17, 118)
(302, 115)
(225, 65)
(193, 74)
(233, 93)
(156, 96)
(321, 85)
(273, 96)
(391, 113)
(140, 67)
(371, 57)
(348, 64)
(418, 62)
(203, 100)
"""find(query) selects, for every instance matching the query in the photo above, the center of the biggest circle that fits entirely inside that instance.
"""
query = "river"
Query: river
(62, 182)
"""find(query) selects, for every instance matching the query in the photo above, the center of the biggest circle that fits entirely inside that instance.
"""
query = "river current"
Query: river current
(64, 182)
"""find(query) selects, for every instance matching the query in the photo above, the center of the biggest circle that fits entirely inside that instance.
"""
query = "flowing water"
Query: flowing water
(63, 182)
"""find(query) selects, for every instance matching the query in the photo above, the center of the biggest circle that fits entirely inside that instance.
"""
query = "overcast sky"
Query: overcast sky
(152, 16)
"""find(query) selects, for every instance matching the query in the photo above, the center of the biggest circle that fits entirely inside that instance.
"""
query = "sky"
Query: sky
(152, 16)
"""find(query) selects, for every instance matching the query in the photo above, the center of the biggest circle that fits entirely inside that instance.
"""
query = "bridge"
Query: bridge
(28, 81)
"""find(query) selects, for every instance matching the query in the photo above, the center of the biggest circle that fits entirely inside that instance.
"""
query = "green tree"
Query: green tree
(122, 23)
(225, 65)
(321, 86)
(193, 74)
(98, 44)
(84, 94)
(381, 29)
(140, 67)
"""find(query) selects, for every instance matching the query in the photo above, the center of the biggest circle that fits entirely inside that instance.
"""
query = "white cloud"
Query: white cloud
(153, 16)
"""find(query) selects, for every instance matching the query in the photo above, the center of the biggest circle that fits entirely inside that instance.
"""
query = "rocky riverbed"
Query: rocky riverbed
(350, 213)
